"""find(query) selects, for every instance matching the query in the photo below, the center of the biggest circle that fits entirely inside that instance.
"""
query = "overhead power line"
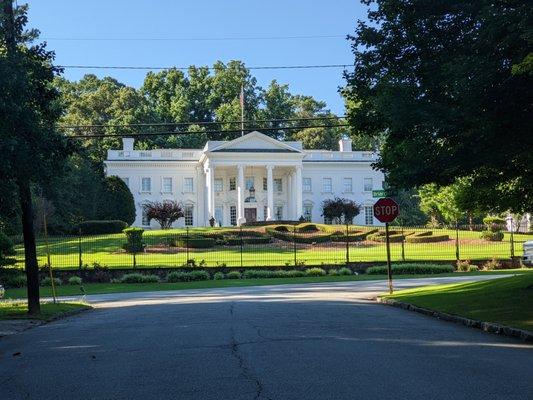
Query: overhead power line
(201, 122)
(147, 134)
(264, 67)
(192, 39)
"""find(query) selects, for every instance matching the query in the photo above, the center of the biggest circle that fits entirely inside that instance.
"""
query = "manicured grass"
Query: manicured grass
(102, 288)
(107, 250)
(19, 309)
(508, 301)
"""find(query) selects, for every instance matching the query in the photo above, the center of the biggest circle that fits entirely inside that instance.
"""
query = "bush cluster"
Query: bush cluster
(48, 282)
(195, 242)
(139, 278)
(426, 237)
(491, 236)
(74, 280)
(134, 240)
(411, 269)
(101, 227)
(182, 276)
(14, 281)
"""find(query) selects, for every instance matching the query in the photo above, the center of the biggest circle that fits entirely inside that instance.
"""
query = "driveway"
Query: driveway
(322, 341)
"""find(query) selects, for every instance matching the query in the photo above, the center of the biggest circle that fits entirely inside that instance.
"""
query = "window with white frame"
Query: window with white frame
(166, 185)
(368, 185)
(347, 185)
(278, 185)
(233, 215)
(145, 221)
(146, 184)
(188, 212)
(308, 212)
(188, 185)
(369, 215)
(265, 184)
(232, 184)
(219, 185)
(306, 184)
(249, 182)
(327, 185)
(265, 213)
(279, 213)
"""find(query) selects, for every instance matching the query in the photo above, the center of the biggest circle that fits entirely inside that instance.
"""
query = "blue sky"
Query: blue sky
(68, 19)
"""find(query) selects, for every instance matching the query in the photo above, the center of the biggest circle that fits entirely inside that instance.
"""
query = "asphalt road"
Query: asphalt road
(324, 341)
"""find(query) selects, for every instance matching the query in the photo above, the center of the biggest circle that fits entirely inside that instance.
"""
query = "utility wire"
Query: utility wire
(192, 39)
(145, 134)
(265, 67)
(200, 122)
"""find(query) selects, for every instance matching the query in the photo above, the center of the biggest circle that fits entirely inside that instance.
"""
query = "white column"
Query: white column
(270, 193)
(210, 183)
(240, 195)
(298, 192)
(290, 206)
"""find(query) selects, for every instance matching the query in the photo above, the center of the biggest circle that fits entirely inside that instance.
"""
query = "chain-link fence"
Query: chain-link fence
(281, 245)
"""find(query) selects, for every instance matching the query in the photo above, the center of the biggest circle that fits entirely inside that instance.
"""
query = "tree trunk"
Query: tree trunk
(30, 253)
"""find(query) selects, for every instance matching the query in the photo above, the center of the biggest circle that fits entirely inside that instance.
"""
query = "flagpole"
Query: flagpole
(242, 109)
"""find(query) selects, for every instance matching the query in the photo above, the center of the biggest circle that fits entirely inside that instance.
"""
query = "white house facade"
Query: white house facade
(251, 178)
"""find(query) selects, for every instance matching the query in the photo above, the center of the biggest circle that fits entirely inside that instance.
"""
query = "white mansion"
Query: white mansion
(252, 178)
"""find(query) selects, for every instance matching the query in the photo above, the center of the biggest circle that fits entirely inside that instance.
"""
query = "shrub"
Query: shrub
(493, 223)
(199, 275)
(165, 212)
(473, 268)
(233, 275)
(6, 249)
(139, 278)
(394, 236)
(416, 238)
(236, 241)
(134, 237)
(306, 228)
(178, 276)
(353, 236)
(333, 272)
(315, 272)
(48, 282)
(101, 227)
(281, 228)
(345, 271)
(115, 201)
(74, 280)
(411, 269)
(218, 276)
(14, 281)
(492, 236)
(294, 273)
(492, 265)
(463, 266)
(257, 274)
(196, 242)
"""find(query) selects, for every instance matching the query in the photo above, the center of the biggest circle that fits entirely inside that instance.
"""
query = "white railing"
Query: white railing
(160, 154)
(321, 155)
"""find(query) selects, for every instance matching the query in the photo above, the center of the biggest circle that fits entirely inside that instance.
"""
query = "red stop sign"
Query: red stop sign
(386, 210)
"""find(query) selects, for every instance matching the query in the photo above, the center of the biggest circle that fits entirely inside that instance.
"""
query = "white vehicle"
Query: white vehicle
(527, 258)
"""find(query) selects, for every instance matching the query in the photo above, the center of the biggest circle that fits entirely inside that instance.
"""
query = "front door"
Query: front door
(250, 214)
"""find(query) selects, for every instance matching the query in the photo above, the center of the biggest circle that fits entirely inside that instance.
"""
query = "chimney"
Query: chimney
(127, 143)
(345, 144)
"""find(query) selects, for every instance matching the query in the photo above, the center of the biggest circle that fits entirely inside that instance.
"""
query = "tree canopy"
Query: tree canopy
(448, 86)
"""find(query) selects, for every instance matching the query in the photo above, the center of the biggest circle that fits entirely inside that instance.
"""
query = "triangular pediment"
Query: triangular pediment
(256, 142)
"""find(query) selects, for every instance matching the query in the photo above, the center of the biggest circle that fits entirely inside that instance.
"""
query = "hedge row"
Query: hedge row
(195, 242)
(426, 238)
(298, 238)
(394, 236)
(357, 236)
(411, 269)
(101, 227)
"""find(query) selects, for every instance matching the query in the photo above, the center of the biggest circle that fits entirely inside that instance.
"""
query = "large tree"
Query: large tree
(448, 83)
(32, 149)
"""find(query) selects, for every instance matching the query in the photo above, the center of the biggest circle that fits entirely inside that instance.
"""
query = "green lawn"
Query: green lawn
(107, 250)
(19, 309)
(102, 288)
(508, 301)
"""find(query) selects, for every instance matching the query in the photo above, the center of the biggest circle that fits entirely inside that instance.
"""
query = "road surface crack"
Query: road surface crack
(245, 370)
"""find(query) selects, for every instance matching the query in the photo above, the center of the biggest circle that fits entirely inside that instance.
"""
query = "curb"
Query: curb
(490, 327)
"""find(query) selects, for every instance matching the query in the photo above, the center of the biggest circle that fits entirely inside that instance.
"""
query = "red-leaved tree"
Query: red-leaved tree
(165, 212)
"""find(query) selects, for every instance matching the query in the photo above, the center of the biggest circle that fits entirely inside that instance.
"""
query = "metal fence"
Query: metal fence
(260, 246)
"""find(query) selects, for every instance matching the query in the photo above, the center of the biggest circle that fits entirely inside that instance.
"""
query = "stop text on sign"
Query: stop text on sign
(385, 210)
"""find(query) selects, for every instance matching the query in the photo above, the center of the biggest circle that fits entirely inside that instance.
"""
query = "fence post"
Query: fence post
(403, 244)
(457, 241)
(511, 239)
(187, 245)
(347, 245)
(242, 242)
(294, 243)
(80, 261)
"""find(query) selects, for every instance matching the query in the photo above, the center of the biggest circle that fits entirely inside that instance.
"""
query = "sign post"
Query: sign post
(386, 210)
